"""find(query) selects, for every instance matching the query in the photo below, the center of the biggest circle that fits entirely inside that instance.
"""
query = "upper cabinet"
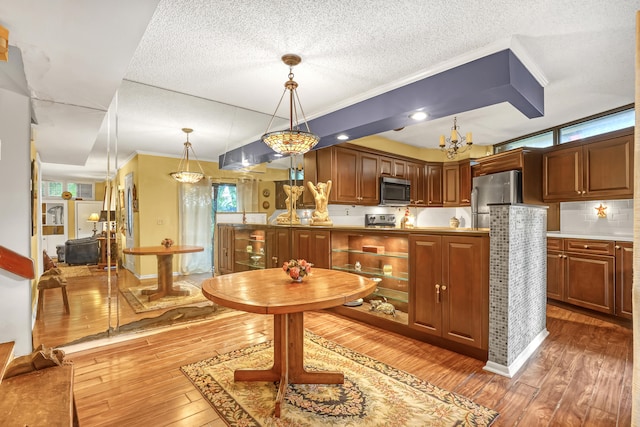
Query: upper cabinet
(595, 168)
(354, 174)
(456, 185)
(527, 160)
(415, 174)
(433, 178)
(390, 166)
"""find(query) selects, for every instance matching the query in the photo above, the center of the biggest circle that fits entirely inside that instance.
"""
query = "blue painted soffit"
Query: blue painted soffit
(490, 80)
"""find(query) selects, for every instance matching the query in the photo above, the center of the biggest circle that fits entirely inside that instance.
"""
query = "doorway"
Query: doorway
(84, 209)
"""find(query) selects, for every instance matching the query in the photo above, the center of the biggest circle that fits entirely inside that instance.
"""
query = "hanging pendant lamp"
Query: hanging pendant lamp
(457, 143)
(293, 140)
(184, 174)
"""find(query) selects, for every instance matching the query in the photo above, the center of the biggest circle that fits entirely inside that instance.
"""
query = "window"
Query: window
(609, 121)
(537, 141)
(52, 189)
(225, 198)
(80, 191)
(598, 126)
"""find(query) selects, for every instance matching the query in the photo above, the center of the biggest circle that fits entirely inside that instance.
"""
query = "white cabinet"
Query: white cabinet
(54, 225)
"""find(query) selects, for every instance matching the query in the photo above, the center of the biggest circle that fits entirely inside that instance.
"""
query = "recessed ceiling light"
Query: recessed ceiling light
(342, 137)
(418, 115)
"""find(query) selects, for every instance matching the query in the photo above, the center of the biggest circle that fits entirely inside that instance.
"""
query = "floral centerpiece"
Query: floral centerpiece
(297, 268)
(167, 242)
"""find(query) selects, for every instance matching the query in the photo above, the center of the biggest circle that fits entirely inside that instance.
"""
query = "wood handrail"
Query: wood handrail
(15, 263)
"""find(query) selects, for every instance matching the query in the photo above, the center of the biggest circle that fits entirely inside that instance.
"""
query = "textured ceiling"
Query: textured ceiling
(215, 66)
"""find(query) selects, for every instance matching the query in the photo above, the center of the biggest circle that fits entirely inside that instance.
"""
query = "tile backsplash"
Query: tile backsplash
(582, 218)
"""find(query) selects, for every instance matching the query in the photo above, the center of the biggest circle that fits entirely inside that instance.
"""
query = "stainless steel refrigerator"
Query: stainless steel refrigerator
(501, 187)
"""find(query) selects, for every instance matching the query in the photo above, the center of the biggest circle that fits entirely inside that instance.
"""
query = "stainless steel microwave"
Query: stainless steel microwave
(394, 191)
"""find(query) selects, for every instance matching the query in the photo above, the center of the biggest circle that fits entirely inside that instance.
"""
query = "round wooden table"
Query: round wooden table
(165, 268)
(271, 291)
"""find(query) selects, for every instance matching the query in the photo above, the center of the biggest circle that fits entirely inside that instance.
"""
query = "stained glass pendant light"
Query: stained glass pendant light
(184, 174)
(293, 140)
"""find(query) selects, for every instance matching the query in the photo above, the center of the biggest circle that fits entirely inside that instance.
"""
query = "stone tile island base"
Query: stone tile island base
(517, 285)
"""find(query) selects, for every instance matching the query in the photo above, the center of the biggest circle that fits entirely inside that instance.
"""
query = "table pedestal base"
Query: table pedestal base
(288, 359)
(165, 280)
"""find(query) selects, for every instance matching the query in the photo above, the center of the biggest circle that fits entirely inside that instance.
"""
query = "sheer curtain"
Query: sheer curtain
(195, 226)
(247, 195)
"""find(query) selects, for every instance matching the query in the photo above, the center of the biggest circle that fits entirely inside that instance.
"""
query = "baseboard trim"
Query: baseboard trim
(511, 370)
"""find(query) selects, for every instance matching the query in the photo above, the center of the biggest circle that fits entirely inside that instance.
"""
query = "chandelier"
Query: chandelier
(184, 174)
(293, 140)
(457, 143)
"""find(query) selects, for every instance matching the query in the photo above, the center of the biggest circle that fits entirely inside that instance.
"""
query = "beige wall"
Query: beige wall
(427, 154)
(157, 216)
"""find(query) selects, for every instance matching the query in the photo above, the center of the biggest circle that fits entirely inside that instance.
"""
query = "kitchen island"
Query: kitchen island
(478, 292)
(433, 281)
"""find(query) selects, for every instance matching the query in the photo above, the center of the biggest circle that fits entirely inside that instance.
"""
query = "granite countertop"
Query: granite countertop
(614, 237)
(414, 230)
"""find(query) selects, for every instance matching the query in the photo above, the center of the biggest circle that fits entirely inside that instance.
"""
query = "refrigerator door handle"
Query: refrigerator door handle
(474, 200)
(474, 207)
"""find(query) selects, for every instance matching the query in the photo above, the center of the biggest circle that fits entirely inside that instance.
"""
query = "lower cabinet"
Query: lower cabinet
(449, 287)
(624, 279)
(383, 257)
(250, 248)
(278, 247)
(225, 249)
(582, 272)
(313, 246)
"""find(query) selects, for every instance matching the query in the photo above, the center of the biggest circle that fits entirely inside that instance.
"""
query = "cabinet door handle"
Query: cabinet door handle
(559, 255)
(586, 246)
(579, 192)
(438, 294)
(465, 200)
(274, 259)
(617, 246)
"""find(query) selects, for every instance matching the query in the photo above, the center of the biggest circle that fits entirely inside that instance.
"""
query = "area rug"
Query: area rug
(140, 303)
(373, 393)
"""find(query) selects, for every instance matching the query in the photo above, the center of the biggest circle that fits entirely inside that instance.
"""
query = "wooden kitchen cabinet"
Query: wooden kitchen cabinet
(433, 188)
(415, 174)
(624, 279)
(581, 273)
(278, 247)
(225, 249)
(451, 184)
(249, 250)
(354, 174)
(380, 255)
(555, 269)
(390, 166)
(500, 162)
(465, 182)
(596, 168)
(457, 183)
(313, 246)
(448, 287)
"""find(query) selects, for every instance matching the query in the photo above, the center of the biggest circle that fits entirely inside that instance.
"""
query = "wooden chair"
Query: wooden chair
(52, 279)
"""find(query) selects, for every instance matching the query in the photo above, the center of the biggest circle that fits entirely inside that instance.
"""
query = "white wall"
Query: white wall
(15, 213)
(15, 217)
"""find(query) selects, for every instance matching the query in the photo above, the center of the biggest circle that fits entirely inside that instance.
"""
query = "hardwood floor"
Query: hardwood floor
(580, 376)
